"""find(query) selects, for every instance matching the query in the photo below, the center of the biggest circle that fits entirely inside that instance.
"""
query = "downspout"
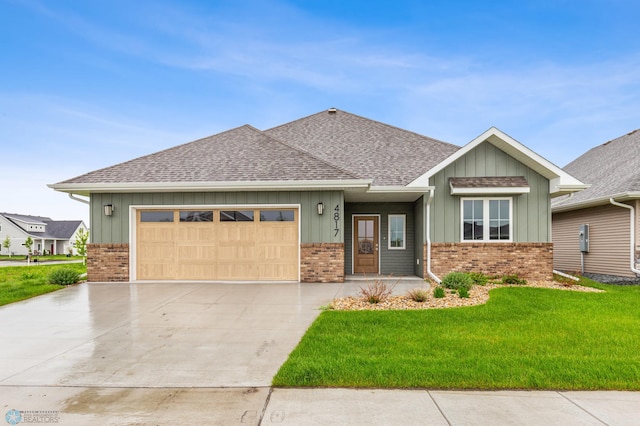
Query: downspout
(428, 238)
(78, 199)
(632, 253)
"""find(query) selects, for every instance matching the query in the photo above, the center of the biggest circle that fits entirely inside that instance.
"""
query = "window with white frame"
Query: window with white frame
(486, 219)
(397, 232)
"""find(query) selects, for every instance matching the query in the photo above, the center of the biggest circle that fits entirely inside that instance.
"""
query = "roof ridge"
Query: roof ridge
(282, 142)
(367, 119)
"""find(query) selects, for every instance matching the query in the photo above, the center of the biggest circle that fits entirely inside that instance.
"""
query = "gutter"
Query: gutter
(632, 237)
(428, 238)
(78, 199)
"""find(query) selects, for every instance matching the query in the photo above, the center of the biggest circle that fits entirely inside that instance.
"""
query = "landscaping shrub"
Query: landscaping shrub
(456, 280)
(438, 292)
(463, 292)
(377, 291)
(418, 294)
(513, 279)
(64, 276)
(478, 278)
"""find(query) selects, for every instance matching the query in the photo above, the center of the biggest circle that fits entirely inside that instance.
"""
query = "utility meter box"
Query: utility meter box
(584, 238)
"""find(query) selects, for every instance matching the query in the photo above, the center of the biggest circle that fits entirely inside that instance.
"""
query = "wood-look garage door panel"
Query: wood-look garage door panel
(259, 250)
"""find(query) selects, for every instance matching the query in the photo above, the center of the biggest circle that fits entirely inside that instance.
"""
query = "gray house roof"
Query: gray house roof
(238, 155)
(54, 229)
(367, 148)
(612, 169)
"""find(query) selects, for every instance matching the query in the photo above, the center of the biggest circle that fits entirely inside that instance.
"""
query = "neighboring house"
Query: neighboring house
(609, 206)
(49, 236)
(319, 198)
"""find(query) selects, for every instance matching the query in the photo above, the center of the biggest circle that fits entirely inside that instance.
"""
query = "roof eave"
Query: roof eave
(128, 187)
(623, 196)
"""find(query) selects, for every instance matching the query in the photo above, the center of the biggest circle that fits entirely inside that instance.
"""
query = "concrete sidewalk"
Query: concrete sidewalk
(267, 406)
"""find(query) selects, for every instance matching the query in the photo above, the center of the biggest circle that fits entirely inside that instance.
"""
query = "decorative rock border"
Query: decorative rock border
(477, 296)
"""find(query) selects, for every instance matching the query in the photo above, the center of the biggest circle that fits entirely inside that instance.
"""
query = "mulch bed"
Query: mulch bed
(477, 296)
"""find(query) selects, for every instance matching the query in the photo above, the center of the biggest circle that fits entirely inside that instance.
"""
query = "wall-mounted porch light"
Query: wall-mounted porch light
(108, 209)
(320, 208)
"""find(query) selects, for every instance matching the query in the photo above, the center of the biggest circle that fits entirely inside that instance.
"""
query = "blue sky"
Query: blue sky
(85, 85)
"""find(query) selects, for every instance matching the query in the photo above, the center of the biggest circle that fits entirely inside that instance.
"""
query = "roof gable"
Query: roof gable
(612, 169)
(560, 182)
(370, 149)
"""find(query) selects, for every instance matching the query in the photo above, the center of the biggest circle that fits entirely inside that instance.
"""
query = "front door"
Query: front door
(365, 244)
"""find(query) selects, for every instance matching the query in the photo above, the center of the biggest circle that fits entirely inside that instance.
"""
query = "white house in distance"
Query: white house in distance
(49, 236)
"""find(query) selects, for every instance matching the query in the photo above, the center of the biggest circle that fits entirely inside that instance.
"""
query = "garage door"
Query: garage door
(217, 244)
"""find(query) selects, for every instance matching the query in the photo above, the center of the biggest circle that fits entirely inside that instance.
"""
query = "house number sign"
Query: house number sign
(336, 219)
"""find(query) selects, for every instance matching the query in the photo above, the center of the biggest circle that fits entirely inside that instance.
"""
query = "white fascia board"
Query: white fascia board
(405, 189)
(512, 147)
(623, 196)
(298, 185)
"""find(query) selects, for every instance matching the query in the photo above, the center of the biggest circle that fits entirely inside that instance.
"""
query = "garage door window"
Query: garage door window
(196, 216)
(236, 216)
(156, 216)
(277, 216)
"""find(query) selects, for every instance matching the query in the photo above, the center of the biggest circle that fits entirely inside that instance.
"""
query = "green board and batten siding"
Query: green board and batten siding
(314, 228)
(487, 160)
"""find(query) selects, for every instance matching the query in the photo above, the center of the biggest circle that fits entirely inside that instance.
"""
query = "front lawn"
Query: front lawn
(22, 282)
(523, 338)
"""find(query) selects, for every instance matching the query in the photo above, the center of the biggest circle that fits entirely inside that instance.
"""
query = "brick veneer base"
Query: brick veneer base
(107, 262)
(533, 261)
(322, 263)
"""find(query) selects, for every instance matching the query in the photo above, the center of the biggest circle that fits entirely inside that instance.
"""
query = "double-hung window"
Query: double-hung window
(487, 219)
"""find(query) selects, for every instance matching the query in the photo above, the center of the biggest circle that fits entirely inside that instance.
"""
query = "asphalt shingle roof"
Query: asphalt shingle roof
(367, 148)
(237, 155)
(611, 168)
(489, 182)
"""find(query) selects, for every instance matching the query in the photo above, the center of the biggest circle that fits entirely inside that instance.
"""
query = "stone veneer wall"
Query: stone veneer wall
(533, 261)
(322, 262)
(107, 262)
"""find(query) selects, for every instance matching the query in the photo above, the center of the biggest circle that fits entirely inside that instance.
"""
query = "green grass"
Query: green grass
(523, 338)
(56, 257)
(23, 282)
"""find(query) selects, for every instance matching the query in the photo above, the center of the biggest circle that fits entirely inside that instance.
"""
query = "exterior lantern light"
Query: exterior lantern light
(108, 209)
(320, 208)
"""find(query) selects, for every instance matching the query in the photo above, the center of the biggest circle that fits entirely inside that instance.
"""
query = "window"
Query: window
(236, 216)
(397, 232)
(486, 219)
(277, 216)
(196, 216)
(156, 216)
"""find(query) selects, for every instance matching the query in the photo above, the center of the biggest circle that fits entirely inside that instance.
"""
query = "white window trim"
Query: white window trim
(404, 231)
(485, 218)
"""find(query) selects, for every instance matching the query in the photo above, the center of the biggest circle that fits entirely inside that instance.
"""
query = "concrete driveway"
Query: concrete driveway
(157, 334)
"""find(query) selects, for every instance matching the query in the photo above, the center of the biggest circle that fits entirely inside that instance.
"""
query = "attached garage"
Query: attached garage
(219, 244)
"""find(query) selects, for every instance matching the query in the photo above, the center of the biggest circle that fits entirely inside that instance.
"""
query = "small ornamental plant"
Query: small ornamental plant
(377, 291)
(463, 292)
(418, 294)
(513, 279)
(456, 280)
(439, 292)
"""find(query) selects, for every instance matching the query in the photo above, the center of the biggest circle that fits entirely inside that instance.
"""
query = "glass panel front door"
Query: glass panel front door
(365, 250)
